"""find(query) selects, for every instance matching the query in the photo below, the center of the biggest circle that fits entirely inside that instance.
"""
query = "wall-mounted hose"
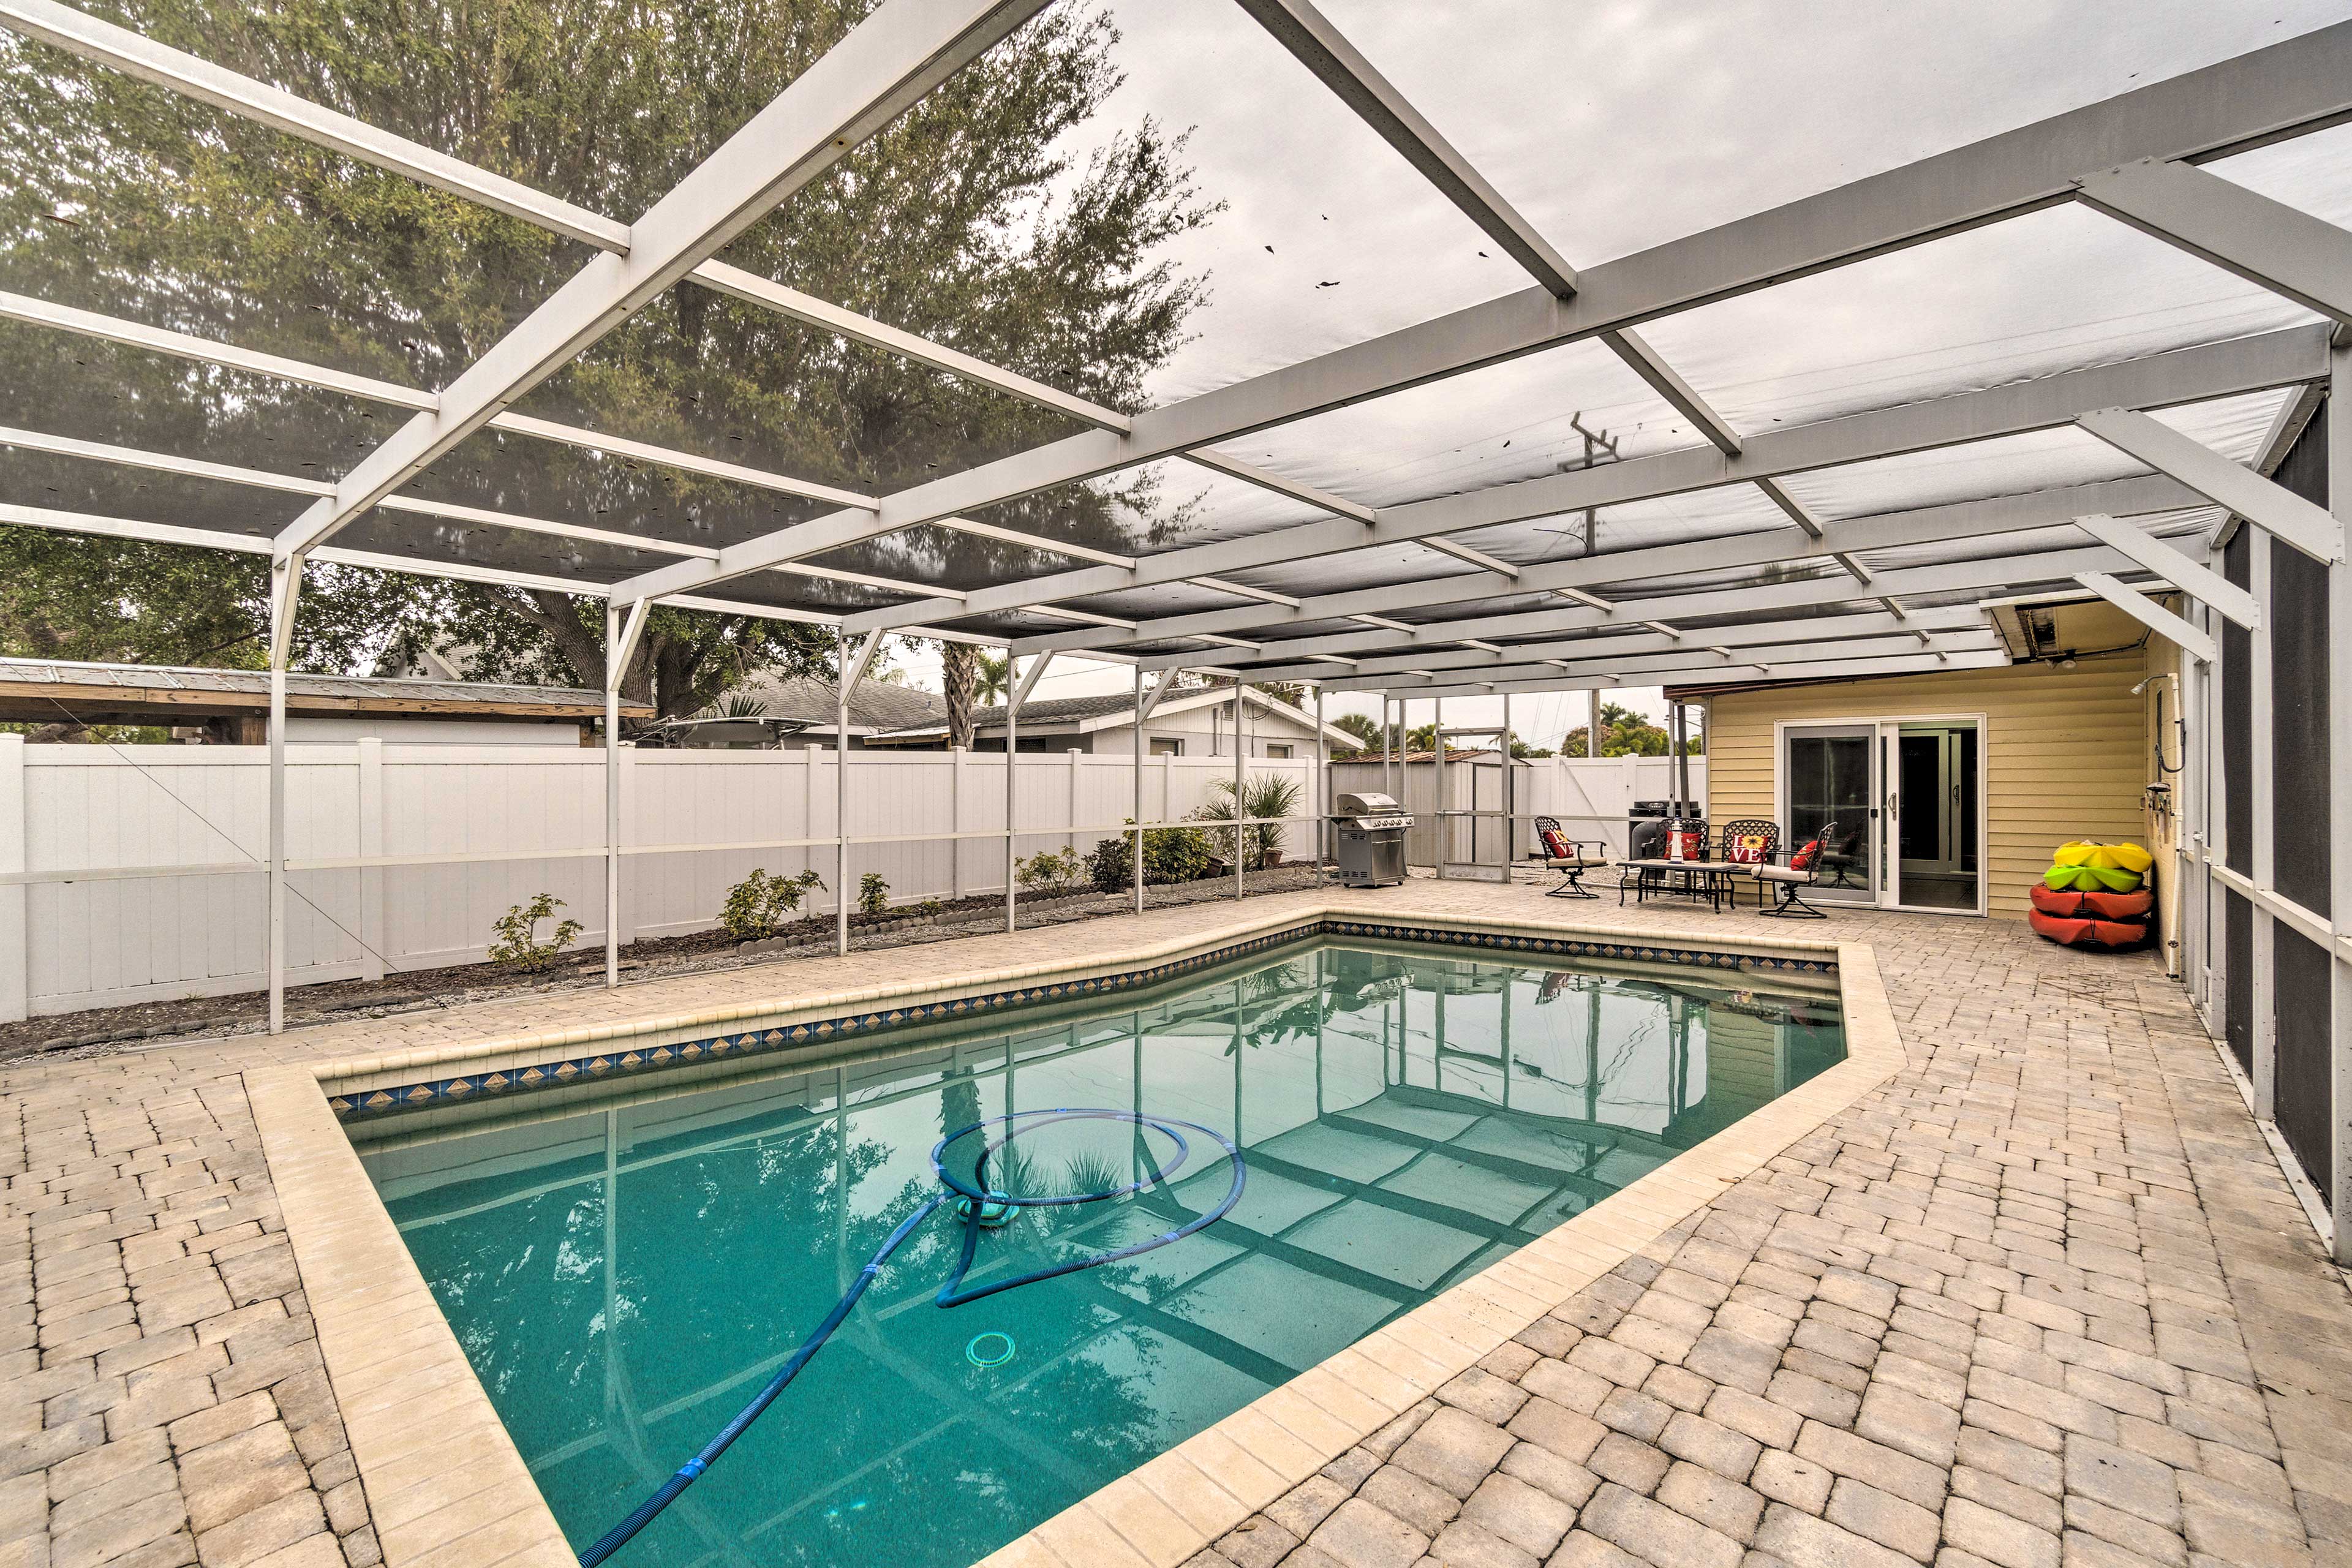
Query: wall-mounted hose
(980, 1208)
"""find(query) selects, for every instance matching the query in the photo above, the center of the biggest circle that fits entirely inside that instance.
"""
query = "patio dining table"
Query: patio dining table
(1708, 879)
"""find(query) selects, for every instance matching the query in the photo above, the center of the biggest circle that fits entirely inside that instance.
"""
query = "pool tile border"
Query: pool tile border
(446, 1486)
(362, 1101)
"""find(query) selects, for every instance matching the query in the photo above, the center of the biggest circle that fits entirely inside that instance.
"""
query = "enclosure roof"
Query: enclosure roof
(50, 691)
(1885, 318)
(1111, 710)
(815, 701)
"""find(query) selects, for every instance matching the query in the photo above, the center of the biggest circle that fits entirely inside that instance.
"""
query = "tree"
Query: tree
(1364, 727)
(964, 220)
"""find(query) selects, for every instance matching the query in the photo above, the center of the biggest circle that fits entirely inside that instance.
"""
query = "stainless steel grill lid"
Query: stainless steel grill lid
(1371, 804)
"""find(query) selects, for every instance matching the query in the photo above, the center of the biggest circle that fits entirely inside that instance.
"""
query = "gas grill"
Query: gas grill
(1370, 828)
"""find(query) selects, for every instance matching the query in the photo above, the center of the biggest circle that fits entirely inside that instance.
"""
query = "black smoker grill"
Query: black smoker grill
(1372, 839)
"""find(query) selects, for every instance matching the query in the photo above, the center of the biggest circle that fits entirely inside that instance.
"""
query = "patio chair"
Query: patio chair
(1788, 882)
(1749, 841)
(1842, 851)
(1570, 856)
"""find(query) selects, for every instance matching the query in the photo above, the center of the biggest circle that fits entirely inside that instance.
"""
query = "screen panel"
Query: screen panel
(2303, 1102)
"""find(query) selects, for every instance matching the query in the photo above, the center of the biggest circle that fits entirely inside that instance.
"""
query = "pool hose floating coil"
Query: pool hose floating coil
(980, 1208)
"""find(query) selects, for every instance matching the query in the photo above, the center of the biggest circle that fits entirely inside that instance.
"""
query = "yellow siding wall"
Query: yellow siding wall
(2065, 750)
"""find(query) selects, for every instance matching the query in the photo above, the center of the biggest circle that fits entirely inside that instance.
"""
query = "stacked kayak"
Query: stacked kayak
(2095, 895)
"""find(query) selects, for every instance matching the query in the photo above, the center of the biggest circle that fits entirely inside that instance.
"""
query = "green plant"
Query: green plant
(1049, 869)
(873, 894)
(1262, 796)
(761, 905)
(518, 946)
(1169, 855)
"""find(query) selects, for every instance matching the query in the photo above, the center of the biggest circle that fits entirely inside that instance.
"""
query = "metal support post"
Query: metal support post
(1240, 835)
(612, 795)
(1135, 814)
(1437, 812)
(1322, 796)
(853, 668)
(1510, 837)
(1682, 763)
(2338, 413)
(1012, 735)
(2260, 771)
(285, 591)
(1592, 725)
(1017, 689)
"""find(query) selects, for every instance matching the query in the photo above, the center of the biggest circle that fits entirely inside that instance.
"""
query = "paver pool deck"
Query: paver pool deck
(2043, 1299)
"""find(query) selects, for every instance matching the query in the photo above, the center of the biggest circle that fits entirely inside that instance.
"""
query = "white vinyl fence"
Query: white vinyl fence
(136, 874)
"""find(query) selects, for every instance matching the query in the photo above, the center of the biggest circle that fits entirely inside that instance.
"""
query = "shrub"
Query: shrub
(873, 894)
(1263, 794)
(1169, 855)
(1050, 870)
(761, 905)
(517, 946)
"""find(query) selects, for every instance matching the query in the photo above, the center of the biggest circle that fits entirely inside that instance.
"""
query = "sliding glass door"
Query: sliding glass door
(1934, 809)
(1831, 793)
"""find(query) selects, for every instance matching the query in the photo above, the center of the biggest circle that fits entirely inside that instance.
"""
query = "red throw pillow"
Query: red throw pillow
(1686, 843)
(1746, 849)
(1803, 859)
(1557, 845)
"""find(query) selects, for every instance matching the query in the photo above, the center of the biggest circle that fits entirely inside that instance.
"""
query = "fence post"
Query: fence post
(955, 822)
(1070, 838)
(371, 840)
(625, 889)
(15, 933)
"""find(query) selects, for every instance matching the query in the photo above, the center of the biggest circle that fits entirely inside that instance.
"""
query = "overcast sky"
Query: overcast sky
(1616, 125)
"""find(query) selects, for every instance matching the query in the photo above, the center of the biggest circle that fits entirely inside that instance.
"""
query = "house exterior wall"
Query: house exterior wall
(1199, 728)
(330, 730)
(2065, 751)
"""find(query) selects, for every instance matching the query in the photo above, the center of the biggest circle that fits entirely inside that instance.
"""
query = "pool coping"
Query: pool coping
(446, 1486)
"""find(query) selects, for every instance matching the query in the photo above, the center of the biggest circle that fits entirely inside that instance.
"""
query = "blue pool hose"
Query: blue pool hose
(979, 1207)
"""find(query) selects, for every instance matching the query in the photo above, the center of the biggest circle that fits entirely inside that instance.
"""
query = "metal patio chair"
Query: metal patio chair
(1751, 842)
(1788, 882)
(1571, 857)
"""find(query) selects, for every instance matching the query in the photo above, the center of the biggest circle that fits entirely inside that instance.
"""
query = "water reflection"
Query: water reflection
(623, 1276)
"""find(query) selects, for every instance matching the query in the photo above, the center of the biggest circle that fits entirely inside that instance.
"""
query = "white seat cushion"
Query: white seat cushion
(1562, 862)
(1780, 874)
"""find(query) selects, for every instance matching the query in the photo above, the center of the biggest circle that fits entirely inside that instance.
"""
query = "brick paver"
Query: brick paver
(2043, 1299)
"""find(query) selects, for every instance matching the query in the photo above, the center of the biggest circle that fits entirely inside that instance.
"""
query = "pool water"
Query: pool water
(625, 1271)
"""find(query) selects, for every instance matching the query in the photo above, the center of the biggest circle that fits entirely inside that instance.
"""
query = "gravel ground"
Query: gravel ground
(112, 1030)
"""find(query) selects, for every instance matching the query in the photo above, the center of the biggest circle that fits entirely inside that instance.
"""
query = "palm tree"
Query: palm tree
(992, 676)
(971, 678)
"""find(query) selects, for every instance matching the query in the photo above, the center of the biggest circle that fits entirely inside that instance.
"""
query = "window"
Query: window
(1167, 746)
(1277, 749)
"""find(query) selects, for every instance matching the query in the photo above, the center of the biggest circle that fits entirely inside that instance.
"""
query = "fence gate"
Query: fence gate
(1459, 837)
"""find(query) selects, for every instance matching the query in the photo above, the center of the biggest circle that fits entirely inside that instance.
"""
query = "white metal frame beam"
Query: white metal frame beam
(1992, 574)
(2303, 84)
(1652, 675)
(124, 51)
(886, 64)
(2287, 251)
(1963, 520)
(1783, 650)
(2271, 507)
(2186, 376)
(1607, 643)
(2190, 639)
(2192, 576)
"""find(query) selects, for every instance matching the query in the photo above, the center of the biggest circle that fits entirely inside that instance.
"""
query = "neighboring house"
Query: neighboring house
(232, 706)
(803, 710)
(1954, 788)
(1197, 723)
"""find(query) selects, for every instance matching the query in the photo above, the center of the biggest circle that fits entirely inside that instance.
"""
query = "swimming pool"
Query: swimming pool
(626, 1268)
